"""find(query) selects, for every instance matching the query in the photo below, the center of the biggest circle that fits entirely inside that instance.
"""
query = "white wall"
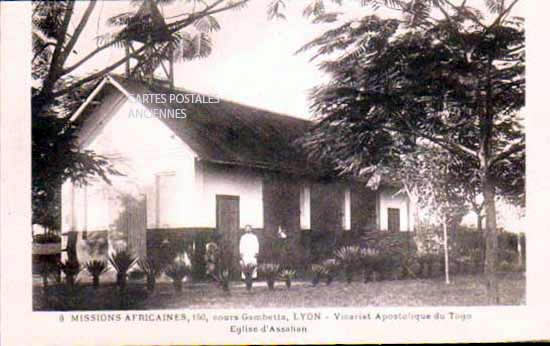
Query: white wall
(143, 148)
(140, 148)
(389, 199)
(241, 182)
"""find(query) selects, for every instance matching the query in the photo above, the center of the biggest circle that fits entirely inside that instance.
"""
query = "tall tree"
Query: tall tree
(60, 85)
(443, 74)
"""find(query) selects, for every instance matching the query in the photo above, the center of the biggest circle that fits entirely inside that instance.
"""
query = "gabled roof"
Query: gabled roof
(230, 133)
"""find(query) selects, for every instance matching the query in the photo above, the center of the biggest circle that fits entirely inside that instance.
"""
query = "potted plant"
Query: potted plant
(269, 271)
(122, 260)
(152, 271)
(96, 268)
(287, 275)
(348, 258)
(248, 272)
(71, 269)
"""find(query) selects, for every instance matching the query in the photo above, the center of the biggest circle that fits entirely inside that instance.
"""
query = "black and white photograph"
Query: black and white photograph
(201, 161)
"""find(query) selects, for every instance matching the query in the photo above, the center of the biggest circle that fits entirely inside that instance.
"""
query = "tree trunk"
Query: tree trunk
(486, 123)
(446, 250)
(491, 241)
(520, 251)
(71, 246)
(481, 241)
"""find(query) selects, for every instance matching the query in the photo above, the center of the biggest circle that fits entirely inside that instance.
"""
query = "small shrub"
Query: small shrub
(269, 271)
(319, 272)
(248, 270)
(152, 271)
(122, 260)
(349, 259)
(331, 269)
(96, 268)
(287, 275)
(71, 269)
(177, 271)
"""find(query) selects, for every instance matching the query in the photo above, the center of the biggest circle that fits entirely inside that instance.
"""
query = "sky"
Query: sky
(253, 60)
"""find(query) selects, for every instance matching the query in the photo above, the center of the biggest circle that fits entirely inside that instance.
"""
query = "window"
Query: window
(167, 201)
(346, 210)
(305, 207)
(393, 219)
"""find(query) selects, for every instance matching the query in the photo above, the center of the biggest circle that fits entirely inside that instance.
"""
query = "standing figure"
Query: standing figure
(210, 258)
(248, 249)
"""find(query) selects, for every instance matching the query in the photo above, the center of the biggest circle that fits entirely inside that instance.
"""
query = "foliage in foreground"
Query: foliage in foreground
(71, 269)
(122, 260)
(270, 272)
(96, 268)
(287, 275)
(152, 271)
(248, 270)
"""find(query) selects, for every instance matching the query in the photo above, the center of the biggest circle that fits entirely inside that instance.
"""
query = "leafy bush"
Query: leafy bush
(319, 272)
(45, 238)
(96, 268)
(152, 270)
(269, 271)
(122, 260)
(248, 270)
(287, 275)
(396, 250)
(427, 263)
(331, 269)
(349, 260)
(177, 271)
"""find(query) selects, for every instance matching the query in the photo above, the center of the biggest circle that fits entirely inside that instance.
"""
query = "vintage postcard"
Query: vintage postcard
(273, 172)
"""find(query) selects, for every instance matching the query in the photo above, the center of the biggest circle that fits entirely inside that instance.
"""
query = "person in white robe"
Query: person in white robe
(249, 248)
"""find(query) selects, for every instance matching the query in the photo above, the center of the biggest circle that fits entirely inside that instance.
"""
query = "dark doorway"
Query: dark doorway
(227, 224)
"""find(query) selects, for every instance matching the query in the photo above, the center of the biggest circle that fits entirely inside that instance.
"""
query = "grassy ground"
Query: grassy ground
(467, 290)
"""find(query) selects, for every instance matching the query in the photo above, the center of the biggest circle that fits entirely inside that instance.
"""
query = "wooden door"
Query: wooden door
(227, 224)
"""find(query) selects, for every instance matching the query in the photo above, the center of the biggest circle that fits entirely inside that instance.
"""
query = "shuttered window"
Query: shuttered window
(346, 210)
(305, 207)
